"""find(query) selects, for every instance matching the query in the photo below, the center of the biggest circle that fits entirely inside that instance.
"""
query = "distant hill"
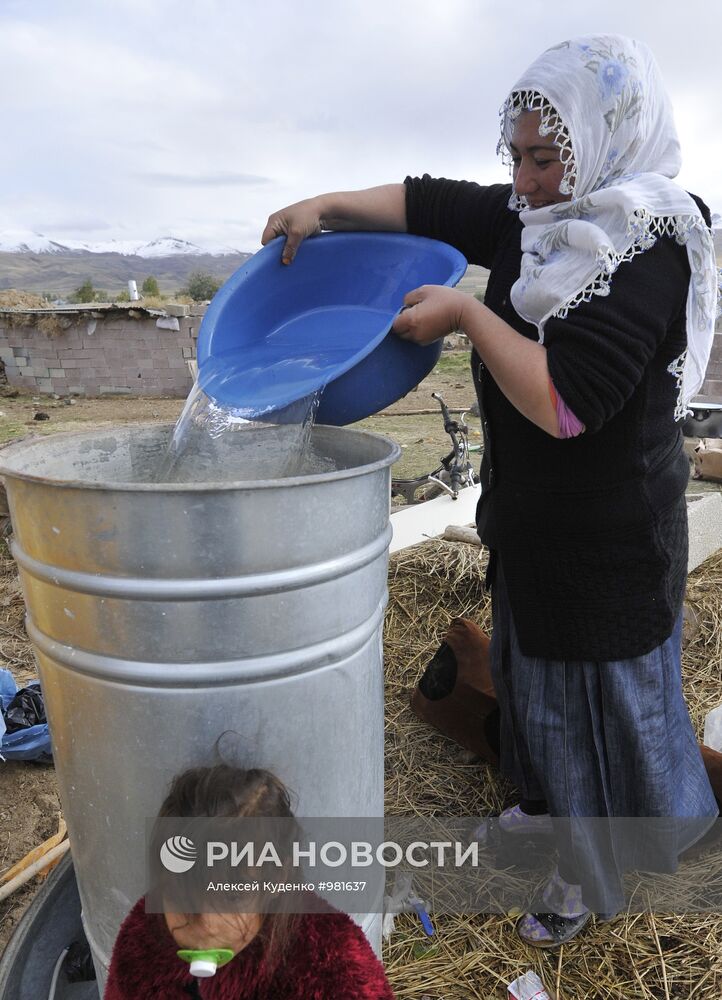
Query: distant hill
(61, 273)
(37, 264)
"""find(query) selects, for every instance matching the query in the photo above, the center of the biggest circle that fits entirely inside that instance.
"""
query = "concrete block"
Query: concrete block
(57, 373)
(187, 352)
(38, 371)
(177, 309)
(115, 390)
(44, 384)
(21, 362)
(704, 516)
(68, 338)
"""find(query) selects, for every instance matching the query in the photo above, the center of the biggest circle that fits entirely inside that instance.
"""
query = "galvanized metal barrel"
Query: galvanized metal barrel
(165, 615)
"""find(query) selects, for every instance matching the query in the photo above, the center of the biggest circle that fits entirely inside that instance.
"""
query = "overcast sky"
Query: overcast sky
(134, 119)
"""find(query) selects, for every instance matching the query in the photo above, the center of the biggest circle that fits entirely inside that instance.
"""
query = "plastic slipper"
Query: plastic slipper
(556, 930)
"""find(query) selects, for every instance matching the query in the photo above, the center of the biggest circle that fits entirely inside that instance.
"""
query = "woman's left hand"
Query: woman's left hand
(430, 312)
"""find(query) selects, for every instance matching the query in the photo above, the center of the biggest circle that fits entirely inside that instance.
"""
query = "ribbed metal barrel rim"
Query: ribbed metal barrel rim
(215, 673)
(394, 453)
(200, 589)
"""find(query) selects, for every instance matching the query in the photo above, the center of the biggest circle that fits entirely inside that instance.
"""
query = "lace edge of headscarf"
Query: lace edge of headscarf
(550, 123)
(678, 367)
(645, 229)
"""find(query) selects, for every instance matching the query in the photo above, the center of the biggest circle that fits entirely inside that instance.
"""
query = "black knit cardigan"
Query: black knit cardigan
(592, 530)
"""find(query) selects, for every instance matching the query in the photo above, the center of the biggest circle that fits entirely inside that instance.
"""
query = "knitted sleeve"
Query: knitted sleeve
(466, 215)
(597, 356)
(336, 963)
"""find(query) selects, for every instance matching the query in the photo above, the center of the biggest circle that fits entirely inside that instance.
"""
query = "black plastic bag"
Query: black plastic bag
(78, 965)
(26, 709)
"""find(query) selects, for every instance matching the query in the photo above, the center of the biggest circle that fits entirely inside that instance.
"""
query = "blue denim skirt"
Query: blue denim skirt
(602, 739)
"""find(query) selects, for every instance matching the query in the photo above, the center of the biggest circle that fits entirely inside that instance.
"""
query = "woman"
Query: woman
(276, 956)
(594, 335)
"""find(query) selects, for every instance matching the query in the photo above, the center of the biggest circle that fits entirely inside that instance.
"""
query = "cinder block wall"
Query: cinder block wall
(101, 353)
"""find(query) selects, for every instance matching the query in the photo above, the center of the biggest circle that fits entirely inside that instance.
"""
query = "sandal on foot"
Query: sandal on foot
(549, 930)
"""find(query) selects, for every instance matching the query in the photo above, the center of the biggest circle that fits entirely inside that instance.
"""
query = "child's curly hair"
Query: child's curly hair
(224, 791)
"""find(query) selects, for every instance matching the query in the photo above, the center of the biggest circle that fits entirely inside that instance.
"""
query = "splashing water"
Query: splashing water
(216, 443)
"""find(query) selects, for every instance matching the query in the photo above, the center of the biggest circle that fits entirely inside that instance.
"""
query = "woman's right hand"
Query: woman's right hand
(380, 208)
(296, 223)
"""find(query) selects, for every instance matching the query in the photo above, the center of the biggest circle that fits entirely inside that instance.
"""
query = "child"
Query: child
(277, 956)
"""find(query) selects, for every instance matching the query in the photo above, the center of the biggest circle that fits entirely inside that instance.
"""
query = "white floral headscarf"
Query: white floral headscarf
(603, 98)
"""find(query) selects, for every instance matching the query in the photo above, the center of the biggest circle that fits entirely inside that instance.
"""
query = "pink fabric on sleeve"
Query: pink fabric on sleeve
(569, 425)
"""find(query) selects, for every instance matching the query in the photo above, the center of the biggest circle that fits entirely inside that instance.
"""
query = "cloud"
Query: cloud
(206, 180)
(204, 118)
(80, 225)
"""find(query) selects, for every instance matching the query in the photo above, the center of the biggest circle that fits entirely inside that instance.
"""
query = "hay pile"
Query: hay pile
(16, 652)
(646, 955)
(13, 298)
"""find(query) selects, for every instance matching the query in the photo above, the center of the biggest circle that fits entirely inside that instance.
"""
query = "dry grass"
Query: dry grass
(51, 325)
(645, 955)
(15, 650)
(13, 298)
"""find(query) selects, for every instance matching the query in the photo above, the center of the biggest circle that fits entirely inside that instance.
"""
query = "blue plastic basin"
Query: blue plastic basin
(276, 333)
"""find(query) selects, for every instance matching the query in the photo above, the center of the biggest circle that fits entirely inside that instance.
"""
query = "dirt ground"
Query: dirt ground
(422, 439)
(29, 806)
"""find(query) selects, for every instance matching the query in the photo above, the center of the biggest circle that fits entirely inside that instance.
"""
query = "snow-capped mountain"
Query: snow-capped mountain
(24, 241)
(56, 267)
